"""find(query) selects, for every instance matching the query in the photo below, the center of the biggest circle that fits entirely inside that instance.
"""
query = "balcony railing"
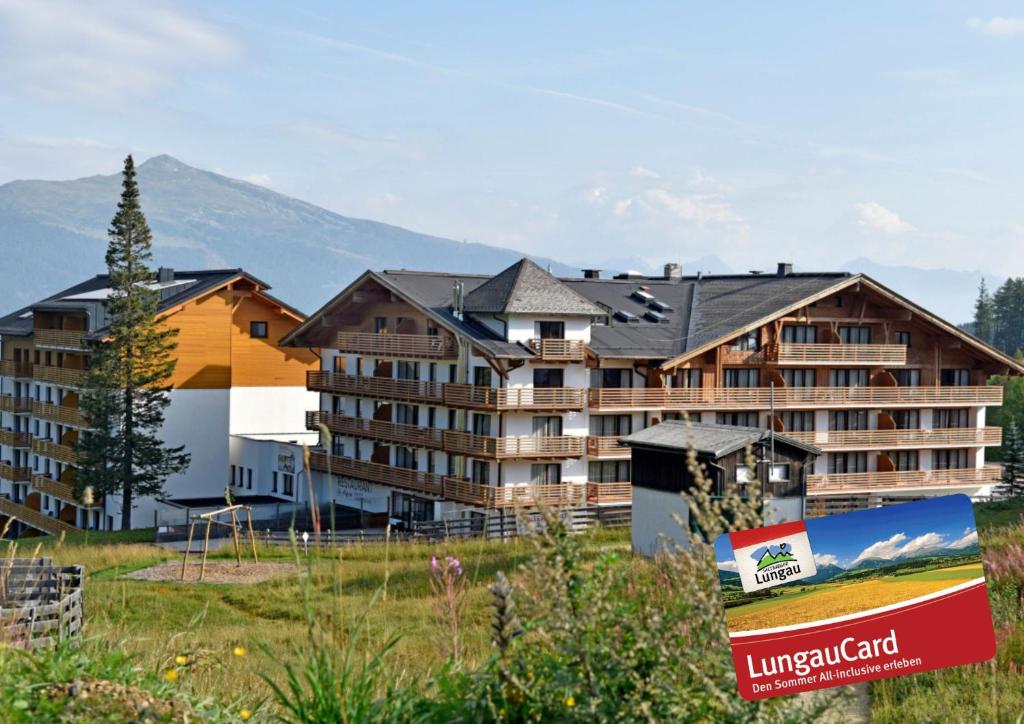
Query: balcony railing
(397, 345)
(846, 483)
(607, 447)
(59, 339)
(56, 488)
(609, 493)
(394, 432)
(16, 405)
(15, 439)
(10, 368)
(63, 414)
(886, 439)
(416, 480)
(559, 350)
(384, 388)
(510, 496)
(56, 451)
(58, 375)
(837, 354)
(34, 518)
(513, 398)
(759, 398)
(514, 447)
(17, 475)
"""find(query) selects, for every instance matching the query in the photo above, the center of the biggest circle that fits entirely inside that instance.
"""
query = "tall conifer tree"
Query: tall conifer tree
(984, 314)
(126, 388)
(1012, 482)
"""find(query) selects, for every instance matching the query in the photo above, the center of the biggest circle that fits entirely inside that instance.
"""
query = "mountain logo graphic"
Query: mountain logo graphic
(772, 554)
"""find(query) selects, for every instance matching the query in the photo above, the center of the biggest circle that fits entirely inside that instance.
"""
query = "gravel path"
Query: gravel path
(216, 572)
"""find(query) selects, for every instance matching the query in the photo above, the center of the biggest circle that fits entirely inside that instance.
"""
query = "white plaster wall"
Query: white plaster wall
(263, 410)
(653, 520)
(522, 328)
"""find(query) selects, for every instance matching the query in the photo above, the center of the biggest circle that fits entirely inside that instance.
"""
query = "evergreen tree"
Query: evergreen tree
(126, 388)
(1008, 315)
(984, 314)
(1012, 482)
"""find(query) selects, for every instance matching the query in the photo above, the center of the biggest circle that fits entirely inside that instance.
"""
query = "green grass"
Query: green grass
(1003, 512)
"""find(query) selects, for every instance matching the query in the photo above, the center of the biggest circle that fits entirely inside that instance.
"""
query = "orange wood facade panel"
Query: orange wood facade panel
(204, 343)
(261, 362)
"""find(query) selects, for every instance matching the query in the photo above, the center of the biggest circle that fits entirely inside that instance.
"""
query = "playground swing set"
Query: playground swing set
(214, 518)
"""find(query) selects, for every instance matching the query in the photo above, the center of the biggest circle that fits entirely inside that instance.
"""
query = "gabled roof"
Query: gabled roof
(525, 288)
(706, 439)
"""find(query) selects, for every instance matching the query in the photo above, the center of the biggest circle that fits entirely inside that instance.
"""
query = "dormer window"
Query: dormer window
(258, 330)
(551, 330)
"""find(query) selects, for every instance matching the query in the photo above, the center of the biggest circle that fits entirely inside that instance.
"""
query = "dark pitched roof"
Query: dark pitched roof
(525, 288)
(707, 439)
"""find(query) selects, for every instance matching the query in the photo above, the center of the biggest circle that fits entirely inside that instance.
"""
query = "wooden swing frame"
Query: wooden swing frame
(211, 520)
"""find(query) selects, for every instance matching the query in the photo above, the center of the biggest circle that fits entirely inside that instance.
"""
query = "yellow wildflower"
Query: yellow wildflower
(171, 675)
(570, 702)
(181, 659)
(245, 714)
(239, 651)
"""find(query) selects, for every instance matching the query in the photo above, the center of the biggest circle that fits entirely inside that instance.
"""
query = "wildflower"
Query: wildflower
(181, 659)
(171, 675)
(453, 563)
(245, 714)
(239, 651)
(434, 567)
(570, 701)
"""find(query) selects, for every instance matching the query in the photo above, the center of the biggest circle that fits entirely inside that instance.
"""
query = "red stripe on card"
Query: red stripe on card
(746, 538)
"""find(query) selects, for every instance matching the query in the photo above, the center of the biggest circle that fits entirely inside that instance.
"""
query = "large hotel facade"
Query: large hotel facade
(449, 395)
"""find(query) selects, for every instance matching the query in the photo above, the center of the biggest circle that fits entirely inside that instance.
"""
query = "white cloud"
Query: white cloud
(727, 566)
(876, 217)
(641, 172)
(698, 208)
(825, 559)
(898, 545)
(102, 52)
(969, 538)
(998, 27)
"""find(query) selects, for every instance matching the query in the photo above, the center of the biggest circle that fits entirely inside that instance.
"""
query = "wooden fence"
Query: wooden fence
(40, 603)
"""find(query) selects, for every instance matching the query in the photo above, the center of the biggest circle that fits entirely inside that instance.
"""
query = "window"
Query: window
(953, 417)
(432, 372)
(949, 459)
(545, 473)
(613, 378)
(903, 338)
(337, 404)
(779, 473)
(848, 378)
(407, 414)
(405, 457)
(799, 334)
(338, 363)
(798, 377)
(907, 378)
(273, 482)
(741, 377)
(432, 330)
(481, 472)
(955, 377)
(904, 460)
(248, 478)
(482, 376)
(839, 463)
(233, 475)
(547, 377)
(258, 330)
(739, 419)
(611, 471)
(855, 335)
(551, 330)
(689, 379)
(431, 417)
(611, 425)
(380, 324)
(548, 426)
(289, 484)
(748, 342)
(839, 301)
(848, 420)
(430, 461)
(408, 370)
(338, 445)
(798, 421)
(745, 474)
(906, 419)
(481, 423)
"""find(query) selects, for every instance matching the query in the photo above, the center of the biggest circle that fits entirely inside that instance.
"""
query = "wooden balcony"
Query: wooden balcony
(55, 451)
(393, 432)
(34, 518)
(417, 346)
(58, 375)
(383, 388)
(514, 447)
(847, 483)
(15, 439)
(512, 496)
(17, 475)
(609, 493)
(824, 355)
(791, 398)
(891, 439)
(9, 403)
(559, 350)
(606, 447)
(56, 488)
(60, 339)
(540, 399)
(10, 368)
(416, 480)
(63, 414)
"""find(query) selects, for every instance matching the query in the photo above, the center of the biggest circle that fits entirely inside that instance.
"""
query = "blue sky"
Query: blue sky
(886, 533)
(666, 131)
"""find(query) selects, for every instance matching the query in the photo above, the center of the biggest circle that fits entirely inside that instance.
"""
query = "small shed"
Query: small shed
(660, 472)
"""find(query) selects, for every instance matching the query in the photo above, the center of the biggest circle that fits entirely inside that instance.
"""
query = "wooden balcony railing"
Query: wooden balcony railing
(514, 447)
(63, 414)
(607, 447)
(513, 398)
(59, 339)
(559, 350)
(837, 354)
(55, 451)
(423, 346)
(609, 493)
(384, 388)
(510, 496)
(886, 439)
(35, 519)
(8, 403)
(17, 475)
(15, 439)
(759, 398)
(416, 480)
(901, 480)
(56, 488)
(58, 375)
(10, 368)
(395, 432)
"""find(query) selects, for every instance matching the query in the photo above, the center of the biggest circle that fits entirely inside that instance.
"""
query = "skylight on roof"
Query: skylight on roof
(99, 295)
(643, 296)
(626, 316)
(653, 316)
(660, 305)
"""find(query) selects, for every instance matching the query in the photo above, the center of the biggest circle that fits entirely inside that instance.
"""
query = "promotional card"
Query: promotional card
(853, 597)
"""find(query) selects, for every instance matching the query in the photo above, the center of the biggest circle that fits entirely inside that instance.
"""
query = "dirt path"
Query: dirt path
(216, 572)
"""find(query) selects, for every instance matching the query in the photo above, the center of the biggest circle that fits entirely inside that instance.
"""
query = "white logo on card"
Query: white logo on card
(771, 564)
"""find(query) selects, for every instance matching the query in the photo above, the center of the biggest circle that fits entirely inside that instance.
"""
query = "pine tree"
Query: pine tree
(984, 314)
(126, 388)
(1012, 482)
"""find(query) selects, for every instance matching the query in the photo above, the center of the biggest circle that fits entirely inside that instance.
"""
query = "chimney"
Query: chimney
(785, 269)
(458, 292)
(591, 273)
(673, 271)
(165, 275)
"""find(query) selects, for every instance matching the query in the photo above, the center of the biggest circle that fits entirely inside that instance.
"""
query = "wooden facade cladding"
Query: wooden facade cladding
(887, 439)
(17, 405)
(64, 376)
(759, 398)
(60, 339)
(393, 432)
(55, 451)
(416, 346)
(514, 447)
(837, 354)
(845, 483)
(559, 350)
(15, 439)
(606, 447)
(64, 414)
(609, 493)
(17, 475)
